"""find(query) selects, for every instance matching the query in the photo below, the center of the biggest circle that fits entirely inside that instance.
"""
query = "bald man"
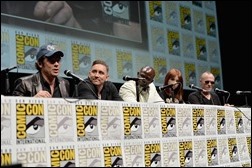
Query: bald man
(146, 89)
(206, 96)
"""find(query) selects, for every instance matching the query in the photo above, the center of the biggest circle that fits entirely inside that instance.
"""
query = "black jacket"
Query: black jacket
(31, 85)
(87, 90)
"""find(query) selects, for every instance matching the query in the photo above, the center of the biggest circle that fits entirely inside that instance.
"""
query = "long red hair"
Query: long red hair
(172, 73)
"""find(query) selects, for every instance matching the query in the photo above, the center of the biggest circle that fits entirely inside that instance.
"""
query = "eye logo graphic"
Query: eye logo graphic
(171, 124)
(188, 158)
(90, 125)
(187, 20)
(173, 160)
(137, 162)
(234, 151)
(214, 154)
(152, 157)
(64, 125)
(118, 162)
(157, 13)
(69, 164)
(114, 125)
(5, 128)
(200, 123)
(240, 125)
(153, 125)
(30, 55)
(222, 123)
(85, 61)
(200, 126)
(155, 161)
(116, 11)
(132, 122)
(135, 125)
(95, 163)
(34, 126)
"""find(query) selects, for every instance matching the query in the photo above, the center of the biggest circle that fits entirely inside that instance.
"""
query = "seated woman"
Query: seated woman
(172, 92)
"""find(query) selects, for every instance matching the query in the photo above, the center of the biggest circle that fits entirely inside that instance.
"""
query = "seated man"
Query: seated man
(206, 96)
(145, 88)
(45, 83)
(97, 86)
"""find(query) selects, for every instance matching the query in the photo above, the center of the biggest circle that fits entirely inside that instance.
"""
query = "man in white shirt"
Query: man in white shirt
(145, 88)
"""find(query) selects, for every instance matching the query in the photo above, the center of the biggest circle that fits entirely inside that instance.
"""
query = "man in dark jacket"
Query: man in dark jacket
(45, 83)
(206, 96)
(97, 86)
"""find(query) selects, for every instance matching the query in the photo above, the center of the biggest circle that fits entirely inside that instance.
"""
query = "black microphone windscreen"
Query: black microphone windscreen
(66, 72)
(191, 86)
(242, 92)
(125, 78)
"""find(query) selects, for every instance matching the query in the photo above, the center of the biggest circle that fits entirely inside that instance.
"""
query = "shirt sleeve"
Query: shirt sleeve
(128, 91)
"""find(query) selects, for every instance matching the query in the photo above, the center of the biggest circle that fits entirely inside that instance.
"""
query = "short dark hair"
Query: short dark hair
(102, 63)
(40, 60)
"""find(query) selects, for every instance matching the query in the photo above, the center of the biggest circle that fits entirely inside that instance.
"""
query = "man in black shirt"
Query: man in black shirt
(45, 83)
(97, 86)
(206, 96)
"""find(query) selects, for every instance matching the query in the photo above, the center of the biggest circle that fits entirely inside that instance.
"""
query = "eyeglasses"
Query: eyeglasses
(207, 82)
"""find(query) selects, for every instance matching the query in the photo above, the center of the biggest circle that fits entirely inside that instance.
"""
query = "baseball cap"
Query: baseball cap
(48, 50)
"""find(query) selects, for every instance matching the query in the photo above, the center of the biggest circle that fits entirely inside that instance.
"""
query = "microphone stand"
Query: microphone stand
(172, 94)
(224, 99)
(137, 92)
(76, 87)
(7, 83)
(246, 101)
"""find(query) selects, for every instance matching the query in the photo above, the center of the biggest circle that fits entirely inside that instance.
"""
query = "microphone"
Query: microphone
(220, 91)
(168, 86)
(195, 87)
(127, 78)
(243, 92)
(9, 69)
(75, 77)
(7, 82)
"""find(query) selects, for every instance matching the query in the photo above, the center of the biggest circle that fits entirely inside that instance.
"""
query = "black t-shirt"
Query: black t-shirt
(198, 98)
(46, 87)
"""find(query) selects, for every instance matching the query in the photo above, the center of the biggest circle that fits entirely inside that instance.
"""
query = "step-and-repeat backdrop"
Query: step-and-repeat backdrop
(90, 133)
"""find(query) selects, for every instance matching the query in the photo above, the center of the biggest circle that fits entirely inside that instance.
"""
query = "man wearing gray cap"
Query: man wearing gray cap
(45, 83)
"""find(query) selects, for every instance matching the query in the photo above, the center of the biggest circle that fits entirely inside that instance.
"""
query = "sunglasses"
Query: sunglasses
(53, 59)
(207, 82)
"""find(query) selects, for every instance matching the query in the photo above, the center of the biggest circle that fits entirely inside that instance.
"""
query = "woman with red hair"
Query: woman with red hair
(172, 92)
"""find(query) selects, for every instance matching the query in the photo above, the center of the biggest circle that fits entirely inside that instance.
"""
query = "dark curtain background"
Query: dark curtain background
(234, 23)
